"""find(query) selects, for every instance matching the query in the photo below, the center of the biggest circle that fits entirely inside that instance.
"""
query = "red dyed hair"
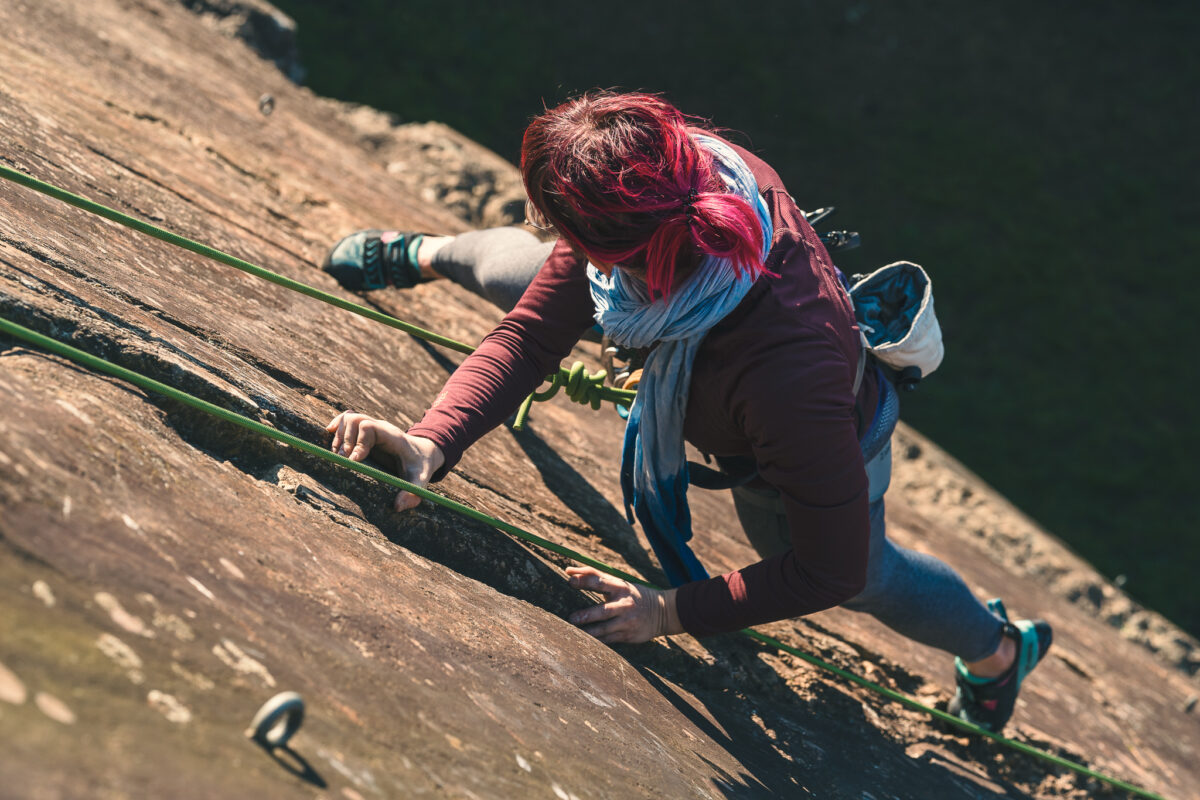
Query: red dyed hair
(613, 173)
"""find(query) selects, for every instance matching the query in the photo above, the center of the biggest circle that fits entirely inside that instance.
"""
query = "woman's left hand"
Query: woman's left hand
(632, 613)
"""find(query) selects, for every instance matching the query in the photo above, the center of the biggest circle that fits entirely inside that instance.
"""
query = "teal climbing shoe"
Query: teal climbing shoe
(375, 259)
(990, 703)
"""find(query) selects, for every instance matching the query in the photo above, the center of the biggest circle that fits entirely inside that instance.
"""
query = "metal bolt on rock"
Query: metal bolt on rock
(277, 721)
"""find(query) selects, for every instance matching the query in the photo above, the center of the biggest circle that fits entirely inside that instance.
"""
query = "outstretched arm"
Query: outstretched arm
(513, 359)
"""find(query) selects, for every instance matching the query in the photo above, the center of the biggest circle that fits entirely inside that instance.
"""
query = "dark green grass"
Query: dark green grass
(1041, 160)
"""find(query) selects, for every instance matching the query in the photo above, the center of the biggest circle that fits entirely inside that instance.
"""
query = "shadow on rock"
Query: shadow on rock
(606, 522)
(296, 764)
(808, 737)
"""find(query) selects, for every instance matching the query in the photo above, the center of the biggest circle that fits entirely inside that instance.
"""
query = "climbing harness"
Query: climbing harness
(590, 390)
(100, 365)
(281, 729)
(277, 721)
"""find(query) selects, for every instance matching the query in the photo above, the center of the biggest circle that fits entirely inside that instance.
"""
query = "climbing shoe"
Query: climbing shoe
(989, 703)
(375, 259)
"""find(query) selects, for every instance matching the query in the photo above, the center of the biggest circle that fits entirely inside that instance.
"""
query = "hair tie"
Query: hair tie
(689, 205)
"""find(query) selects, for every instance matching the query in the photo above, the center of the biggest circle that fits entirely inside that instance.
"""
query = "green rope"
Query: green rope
(100, 365)
(581, 387)
(601, 392)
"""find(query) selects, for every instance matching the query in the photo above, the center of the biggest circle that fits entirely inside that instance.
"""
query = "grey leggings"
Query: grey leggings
(496, 264)
(912, 593)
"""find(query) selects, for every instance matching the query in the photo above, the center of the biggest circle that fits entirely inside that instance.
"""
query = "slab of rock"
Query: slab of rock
(163, 574)
(262, 26)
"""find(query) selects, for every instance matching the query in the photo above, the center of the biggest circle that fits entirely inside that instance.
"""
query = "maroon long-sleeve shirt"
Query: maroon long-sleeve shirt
(773, 380)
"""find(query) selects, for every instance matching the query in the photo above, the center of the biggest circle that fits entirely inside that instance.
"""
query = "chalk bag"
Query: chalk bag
(894, 308)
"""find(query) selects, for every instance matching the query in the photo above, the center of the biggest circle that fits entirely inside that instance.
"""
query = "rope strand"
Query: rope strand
(100, 365)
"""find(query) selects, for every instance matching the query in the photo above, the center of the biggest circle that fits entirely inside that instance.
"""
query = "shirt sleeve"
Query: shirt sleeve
(513, 359)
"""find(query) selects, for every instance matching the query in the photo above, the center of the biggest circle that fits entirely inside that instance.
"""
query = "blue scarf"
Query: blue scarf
(653, 465)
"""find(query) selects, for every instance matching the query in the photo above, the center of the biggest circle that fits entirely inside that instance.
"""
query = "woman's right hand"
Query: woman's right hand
(413, 458)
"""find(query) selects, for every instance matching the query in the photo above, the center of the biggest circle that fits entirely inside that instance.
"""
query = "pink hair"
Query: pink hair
(619, 176)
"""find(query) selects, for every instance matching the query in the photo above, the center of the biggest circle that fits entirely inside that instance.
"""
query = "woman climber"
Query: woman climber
(673, 239)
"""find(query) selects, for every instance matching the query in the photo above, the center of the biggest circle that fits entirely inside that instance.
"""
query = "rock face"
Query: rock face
(441, 166)
(266, 29)
(162, 574)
